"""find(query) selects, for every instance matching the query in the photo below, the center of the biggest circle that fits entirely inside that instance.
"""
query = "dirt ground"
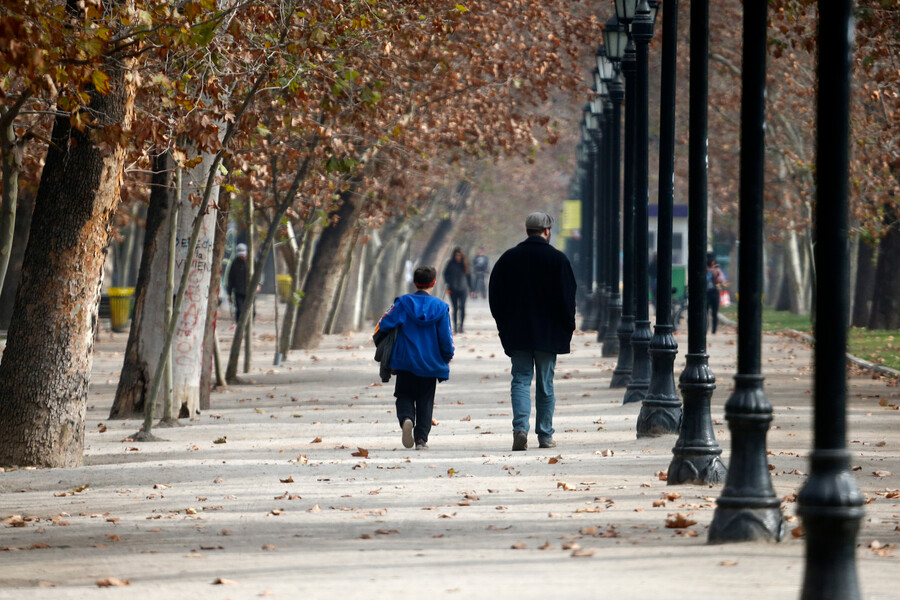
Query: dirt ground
(296, 485)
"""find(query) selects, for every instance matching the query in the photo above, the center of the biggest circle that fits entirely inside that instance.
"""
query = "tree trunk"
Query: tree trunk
(320, 285)
(212, 307)
(46, 366)
(336, 320)
(10, 153)
(864, 292)
(187, 347)
(145, 339)
(14, 269)
(886, 300)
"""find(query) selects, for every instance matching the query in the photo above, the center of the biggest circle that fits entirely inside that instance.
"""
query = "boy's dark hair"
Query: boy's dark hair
(424, 277)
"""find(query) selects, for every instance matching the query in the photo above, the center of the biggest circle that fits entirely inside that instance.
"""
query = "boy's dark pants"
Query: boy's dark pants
(415, 401)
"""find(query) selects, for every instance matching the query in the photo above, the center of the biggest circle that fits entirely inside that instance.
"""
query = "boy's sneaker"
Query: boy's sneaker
(520, 441)
(547, 443)
(420, 445)
(407, 433)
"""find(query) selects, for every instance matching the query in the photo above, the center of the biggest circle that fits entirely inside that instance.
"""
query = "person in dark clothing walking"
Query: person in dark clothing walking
(459, 281)
(532, 300)
(482, 266)
(421, 355)
(237, 280)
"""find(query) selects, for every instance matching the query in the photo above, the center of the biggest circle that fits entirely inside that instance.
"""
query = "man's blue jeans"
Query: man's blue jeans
(525, 365)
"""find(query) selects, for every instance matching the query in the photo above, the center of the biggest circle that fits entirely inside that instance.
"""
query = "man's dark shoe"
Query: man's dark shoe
(420, 445)
(549, 443)
(407, 433)
(520, 441)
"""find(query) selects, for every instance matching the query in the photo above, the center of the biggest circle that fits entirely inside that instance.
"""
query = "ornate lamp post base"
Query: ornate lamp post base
(640, 370)
(748, 508)
(830, 505)
(696, 457)
(745, 523)
(661, 408)
(611, 335)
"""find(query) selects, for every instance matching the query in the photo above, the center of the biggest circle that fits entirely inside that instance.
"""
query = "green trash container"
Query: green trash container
(121, 300)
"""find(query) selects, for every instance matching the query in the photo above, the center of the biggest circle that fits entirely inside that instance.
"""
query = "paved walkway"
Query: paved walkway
(297, 486)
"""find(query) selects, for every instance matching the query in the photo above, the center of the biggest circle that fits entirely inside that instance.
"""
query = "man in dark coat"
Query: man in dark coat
(532, 299)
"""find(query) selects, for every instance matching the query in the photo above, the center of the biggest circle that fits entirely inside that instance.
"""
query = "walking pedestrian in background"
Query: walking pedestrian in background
(532, 300)
(459, 281)
(482, 266)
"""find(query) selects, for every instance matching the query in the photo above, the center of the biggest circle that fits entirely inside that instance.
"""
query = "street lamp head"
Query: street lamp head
(599, 83)
(655, 5)
(596, 102)
(615, 37)
(626, 9)
(604, 64)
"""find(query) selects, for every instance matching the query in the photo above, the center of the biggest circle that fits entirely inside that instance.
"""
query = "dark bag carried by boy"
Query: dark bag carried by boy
(384, 348)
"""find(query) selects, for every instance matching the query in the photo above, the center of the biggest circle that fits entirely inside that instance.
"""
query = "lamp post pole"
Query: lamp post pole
(588, 196)
(696, 457)
(748, 508)
(642, 33)
(613, 112)
(661, 408)
(621, 376)
(598, 131)
(830, 502)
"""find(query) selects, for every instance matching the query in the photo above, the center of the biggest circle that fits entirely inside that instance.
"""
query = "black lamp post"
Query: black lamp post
(661, 408)
(830, 502)
(642, 33)
(588, 196)
(598, 317)
(620, 49)
(696, 457)
(608, 75)
(748, 508)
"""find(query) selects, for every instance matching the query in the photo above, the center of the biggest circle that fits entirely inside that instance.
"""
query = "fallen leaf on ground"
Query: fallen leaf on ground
(223, 581)
(112, 582)
(269, 547)
(546, 546)
(315, 508)
(518, 546)
(361, 452)
(658, 503)
(797, 532)
(571, 546)
(882, 473)
(288, 480)
(318, 440)
(582, 553)
(679, 521)
(729, 563)
(565, 486)
(671, 495)
(221, 440)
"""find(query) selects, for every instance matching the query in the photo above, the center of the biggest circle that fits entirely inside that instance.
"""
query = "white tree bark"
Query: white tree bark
(187, 346)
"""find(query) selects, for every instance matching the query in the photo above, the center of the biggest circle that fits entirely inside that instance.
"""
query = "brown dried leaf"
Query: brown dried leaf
(112, 582)
(288, 480)
(223, 581)
(679, 521)
(361, 452)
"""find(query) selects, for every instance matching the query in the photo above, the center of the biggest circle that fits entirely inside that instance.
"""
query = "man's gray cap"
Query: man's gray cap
(538, 220)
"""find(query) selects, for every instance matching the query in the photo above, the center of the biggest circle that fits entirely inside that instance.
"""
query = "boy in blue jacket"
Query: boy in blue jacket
(421, 355)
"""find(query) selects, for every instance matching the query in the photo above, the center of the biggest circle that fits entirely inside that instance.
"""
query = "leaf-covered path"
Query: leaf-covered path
(296, 486)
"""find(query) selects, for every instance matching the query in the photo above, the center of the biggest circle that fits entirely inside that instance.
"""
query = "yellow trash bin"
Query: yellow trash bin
(284, 286)
(120, 303)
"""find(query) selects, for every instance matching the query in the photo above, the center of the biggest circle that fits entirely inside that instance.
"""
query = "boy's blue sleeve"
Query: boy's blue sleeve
(390, 319)
(445, 337)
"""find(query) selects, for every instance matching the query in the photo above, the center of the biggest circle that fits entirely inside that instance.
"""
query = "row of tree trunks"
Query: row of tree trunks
(321, 281)
(886, 300)
(148, 318)
(47, 362)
